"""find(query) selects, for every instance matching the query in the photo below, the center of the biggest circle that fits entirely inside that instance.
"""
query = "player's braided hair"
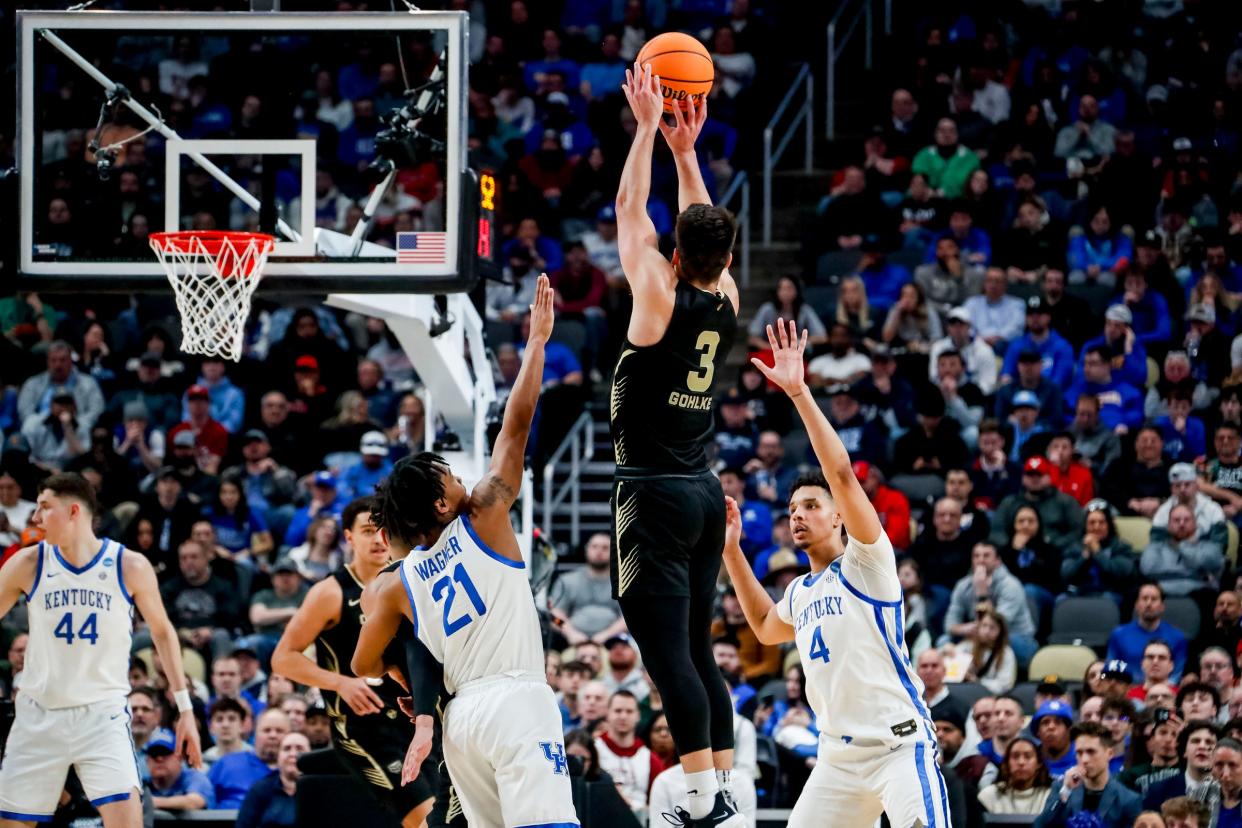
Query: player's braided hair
(404, 504)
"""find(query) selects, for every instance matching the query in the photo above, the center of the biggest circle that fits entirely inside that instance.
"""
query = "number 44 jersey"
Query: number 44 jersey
(472, 607)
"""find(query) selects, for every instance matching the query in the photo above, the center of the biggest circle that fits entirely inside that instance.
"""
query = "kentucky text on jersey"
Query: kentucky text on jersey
(819, 608)
(437, 562)
(693, 402)
(57, 598)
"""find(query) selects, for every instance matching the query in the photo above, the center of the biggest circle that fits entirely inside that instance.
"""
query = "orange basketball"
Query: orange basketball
(683, 64)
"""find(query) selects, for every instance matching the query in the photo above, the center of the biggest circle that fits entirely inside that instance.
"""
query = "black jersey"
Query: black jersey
(661, 401)
(334, 648)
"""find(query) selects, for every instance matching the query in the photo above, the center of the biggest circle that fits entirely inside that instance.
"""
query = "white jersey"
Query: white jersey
(847, 622)
(81, 628)
(473, 607)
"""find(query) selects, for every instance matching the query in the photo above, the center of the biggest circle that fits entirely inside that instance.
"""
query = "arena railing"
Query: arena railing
(580, 443)
(805, 82)
(740, 186)
(839, 36)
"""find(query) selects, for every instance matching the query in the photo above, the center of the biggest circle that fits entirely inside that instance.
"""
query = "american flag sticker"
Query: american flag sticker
(422, 248)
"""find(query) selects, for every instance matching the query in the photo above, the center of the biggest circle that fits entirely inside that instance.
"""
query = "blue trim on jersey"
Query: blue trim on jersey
(20, 817)
(875, 602)
(409, 595)
(487, 550)
(120, 573)
(104, 800)
(902, 673)
(79, 570)
(921, 767)
(549, 825)
(38, 574)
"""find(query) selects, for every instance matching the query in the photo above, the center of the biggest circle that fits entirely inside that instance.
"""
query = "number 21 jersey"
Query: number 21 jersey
(472, 606)
(661, 400)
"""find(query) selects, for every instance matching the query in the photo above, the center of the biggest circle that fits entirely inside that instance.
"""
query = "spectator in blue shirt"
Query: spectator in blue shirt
(881, 278)
(357, 143)
(1185, 438)
(1051, 724)
(604, 76)
(228, 402)
(1120, 403)
(325, 499)
(1129, 357)
(545, 253)
(1056, 355)
(1128, 641)
(270, 802)
(537, 71)
(175, 787)
(756, 515)
(360, 479)
(1149, 310)
(974, 244)
(234, 775)
(1097, 254)
(226, 682)
(996, 316)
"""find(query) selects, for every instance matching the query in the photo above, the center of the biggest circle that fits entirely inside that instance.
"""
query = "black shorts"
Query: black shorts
(374, 748)
(668, 535)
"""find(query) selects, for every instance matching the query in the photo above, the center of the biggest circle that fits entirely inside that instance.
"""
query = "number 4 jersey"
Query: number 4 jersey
(472, 607)
(661, 401)
(81, 628)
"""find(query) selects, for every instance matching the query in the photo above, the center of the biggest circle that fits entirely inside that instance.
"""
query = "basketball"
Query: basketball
(683, 65)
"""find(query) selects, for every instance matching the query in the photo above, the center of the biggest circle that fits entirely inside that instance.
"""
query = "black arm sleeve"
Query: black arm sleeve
(423, 674)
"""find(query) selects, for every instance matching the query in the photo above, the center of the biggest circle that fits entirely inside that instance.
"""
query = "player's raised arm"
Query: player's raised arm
(650, 277)
(789, 373)
(139, 577)
(380, 628)
(289, 660)
(758, 607)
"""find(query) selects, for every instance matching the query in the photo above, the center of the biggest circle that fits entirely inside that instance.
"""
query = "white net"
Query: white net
(213, 275)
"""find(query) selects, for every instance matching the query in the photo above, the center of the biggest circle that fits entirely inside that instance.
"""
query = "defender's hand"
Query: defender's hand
(682, 136)
(642, 90)
(420, 746)
(787, 370)
(542, 312)
(733, 524)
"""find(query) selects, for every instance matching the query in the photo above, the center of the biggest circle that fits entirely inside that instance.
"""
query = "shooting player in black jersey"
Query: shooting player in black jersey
(370, 732)
(668, 508)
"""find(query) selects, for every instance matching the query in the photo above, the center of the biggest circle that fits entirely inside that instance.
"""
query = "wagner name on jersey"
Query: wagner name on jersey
(847, 622)
(472, 607)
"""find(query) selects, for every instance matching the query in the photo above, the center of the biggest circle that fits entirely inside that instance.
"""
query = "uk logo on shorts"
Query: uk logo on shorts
(554, 752)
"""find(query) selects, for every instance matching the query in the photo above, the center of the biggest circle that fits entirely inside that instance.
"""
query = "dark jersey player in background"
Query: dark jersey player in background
(668, 509)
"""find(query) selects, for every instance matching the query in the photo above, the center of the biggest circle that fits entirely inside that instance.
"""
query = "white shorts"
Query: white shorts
(851, 785)
(505, 752)
(43, 744)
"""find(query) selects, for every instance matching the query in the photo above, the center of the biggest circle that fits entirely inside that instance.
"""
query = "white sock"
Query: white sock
(701, 791)
(724, 778)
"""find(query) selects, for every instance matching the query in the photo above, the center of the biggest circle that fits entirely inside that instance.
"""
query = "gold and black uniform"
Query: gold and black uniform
(667, 507)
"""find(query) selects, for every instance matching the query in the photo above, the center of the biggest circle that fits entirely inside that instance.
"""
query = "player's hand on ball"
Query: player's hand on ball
(642, 90)
(420, 746)
(733, 525)
(542, 311)
(359, 696)
(684, 132)
(187, 740)
(788, 370)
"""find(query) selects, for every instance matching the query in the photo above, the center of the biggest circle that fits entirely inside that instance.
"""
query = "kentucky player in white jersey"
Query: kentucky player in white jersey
(877, 747)
(71, 707)
(466, 592)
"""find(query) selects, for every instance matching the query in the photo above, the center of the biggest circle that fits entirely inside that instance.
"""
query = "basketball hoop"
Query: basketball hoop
(213, 274)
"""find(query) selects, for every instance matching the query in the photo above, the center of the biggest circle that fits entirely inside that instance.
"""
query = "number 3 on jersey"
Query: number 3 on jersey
(700, 381)
(818, 650)
(88, 631)
(443, 589)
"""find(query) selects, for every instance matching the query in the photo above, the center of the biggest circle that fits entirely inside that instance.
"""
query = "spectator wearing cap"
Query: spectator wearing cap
(1195, 745)
(1096, 254)
(1121, 405)
(923, 455)
(272, 608)
(1022, 784)
(35, 396)
(736, 433)
(882, 279)
(58, 436)
(891, 506)
(164, 408)
(946, 163)
(360, 479)
(948, 279)
(990, 584)
(184, 458)
(601, 244)
(581, 600)
(1051, 724)
(175, 787)
(624, 672)
(308, 395)
(1059, 515)
(228, 402)
(1030, 377)
(1207, 345)
(1055, 353)
(1149, 310)
(137, 440)
(171, 515)
(270, 487)
(1089, 787)
(1153, 750)
(841, 363)
(210, 437)
(780, 564)
(978, 358)
(1209, 517)
(962, 767)
(1023, 426)
(864, 439)
(1128, 357)
(997, 318)
(325, 498)
(1127, 643)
